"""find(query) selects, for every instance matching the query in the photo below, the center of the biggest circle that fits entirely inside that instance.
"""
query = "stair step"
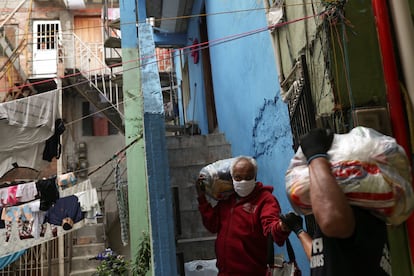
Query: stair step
(83, 263)
(113, 62)
(117, 79)
(112, 42)
(87, 272)
(91, 249)
(187, 156)
(180, 142)
(116, 24)
(194, 151)
(197, 155)
(89, 239)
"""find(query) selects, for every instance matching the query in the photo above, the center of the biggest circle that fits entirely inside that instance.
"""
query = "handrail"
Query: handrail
(91, 66)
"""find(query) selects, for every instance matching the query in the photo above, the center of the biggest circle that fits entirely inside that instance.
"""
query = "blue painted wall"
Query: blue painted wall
(249, 109)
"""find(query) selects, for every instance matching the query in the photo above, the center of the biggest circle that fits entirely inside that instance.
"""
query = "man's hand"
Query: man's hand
(201, 189)
(316, 143)
(293, 221)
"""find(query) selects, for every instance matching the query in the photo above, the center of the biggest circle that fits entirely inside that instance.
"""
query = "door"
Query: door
(208, 79)
(45, 47)
(89, 29)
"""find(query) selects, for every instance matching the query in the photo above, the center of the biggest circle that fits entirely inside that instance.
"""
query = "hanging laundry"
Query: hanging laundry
(48, 191)
(11, 196)
(53, 146)
(23, 216)
(26, 192)
(88, 199)
(66, 180)
(25, 125)
(17, 194)
(65, 212)
(2, 224)
(16, 233)
(3, 196)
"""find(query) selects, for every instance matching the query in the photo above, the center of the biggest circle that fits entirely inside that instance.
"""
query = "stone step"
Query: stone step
(187, 155)
(194, 141)
(85, 262)
(93, 233)
(197, 156)
(87, 272)
(198, 150)
(91, 249)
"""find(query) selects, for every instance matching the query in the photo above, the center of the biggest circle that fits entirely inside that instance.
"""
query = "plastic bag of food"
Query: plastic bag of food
(216, 179)
(372, 170)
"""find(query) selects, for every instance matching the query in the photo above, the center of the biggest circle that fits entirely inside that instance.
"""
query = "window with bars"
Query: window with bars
(47, 36)
(300, 104)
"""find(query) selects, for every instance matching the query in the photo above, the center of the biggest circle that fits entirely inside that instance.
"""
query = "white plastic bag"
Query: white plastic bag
(201, 268)
(217, 182)
(372, 170)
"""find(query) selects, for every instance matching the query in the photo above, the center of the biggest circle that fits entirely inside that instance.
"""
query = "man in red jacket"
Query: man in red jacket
(243, 221)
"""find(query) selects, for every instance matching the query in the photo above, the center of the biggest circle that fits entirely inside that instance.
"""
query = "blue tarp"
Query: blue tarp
(6, 260)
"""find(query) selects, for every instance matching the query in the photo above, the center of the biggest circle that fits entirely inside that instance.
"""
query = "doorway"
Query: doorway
(45, 47)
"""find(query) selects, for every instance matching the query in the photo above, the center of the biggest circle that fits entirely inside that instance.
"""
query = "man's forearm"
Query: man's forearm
(329, 204)
(306, 242)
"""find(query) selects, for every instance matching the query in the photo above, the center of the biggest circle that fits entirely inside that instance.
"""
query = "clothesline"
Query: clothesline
(189, 49)
(117, 154)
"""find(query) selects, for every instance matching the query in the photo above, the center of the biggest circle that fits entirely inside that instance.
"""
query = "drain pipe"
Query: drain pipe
(394, 98)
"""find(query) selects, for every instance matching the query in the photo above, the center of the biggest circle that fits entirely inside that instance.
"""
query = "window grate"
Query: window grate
(301, 112)
(300, 104)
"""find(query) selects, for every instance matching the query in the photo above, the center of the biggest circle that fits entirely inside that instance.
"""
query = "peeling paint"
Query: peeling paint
(270, 130)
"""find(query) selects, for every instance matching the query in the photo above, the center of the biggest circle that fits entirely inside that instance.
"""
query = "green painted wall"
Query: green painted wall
(134, 127)
(357, 52)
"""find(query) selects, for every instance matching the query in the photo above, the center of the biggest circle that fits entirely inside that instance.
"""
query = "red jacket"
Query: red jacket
(242, 227)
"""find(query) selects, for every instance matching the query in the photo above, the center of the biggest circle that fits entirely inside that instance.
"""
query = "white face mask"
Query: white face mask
(244, 187)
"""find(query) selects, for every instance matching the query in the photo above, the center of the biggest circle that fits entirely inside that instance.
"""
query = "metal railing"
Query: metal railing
(88, 59)
(42, 259)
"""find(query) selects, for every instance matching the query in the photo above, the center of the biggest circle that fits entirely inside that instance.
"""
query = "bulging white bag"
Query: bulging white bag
(372, 170)
(217, 180)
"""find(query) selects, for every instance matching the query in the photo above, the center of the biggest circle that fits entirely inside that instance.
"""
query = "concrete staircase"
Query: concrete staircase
(187, 156)
(88, 242)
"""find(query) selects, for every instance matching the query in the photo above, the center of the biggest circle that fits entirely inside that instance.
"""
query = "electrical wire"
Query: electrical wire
(43, 10)
(185, 49)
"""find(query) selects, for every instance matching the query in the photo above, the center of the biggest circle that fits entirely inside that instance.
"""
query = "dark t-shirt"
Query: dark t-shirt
(366, 253)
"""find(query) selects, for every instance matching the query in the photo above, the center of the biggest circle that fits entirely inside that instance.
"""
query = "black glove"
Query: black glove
(293, 221)
(316, 143)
